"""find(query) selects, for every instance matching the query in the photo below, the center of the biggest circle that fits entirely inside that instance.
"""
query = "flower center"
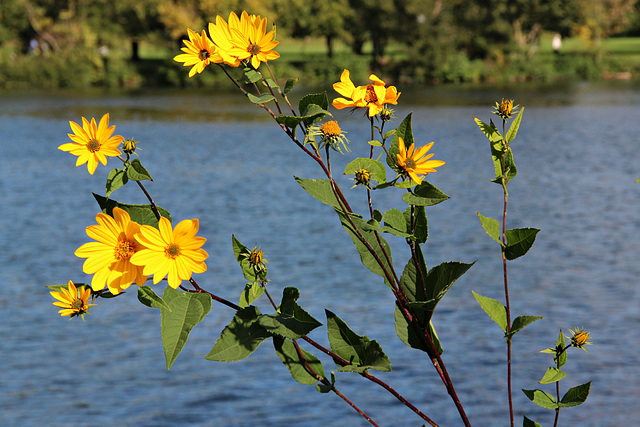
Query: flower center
(93, 145)
(204, 55)
(253, 49)
(331, 128)
(409, 164)
(362, 176)
(370, 95)
(77, 304)
(123, 250)
(172, 251)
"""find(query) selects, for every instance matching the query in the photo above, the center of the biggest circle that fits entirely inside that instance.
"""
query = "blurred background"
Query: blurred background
(126, 44)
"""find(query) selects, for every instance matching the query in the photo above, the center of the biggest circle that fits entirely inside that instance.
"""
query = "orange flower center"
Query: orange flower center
(253, 49)
(204, 55)
(123, 250)
(93, 145)
(172, 251)
(77, 304)
(409, 164)
(370, 95)
(331, 128)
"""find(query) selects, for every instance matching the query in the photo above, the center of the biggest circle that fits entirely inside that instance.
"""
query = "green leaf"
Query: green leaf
(521, 321)
(425, 194)
(288, 354)
(322, 388)
(491, 227)
(395, 223)
(405, 132)
(541, 398)
(271, 83)
(375, 143)
(420, 223)
(575, 396)
(519, 241)
(494, 308)
(528, 423)
(292, 321)
(388, 134)
(241, 253)
(290, 84)
(185, 311)
(137, 172)
(513, 129)
(359, 350)
(319, 99)
(240, 337)
(560, 344)
(116, 179)
(252, 292)
(149, 298)
(320, 189)
(250, 75)
(490, 131)
(412, 338)
(375, 168)
(142, 214)
(262, 99)
(552, 375)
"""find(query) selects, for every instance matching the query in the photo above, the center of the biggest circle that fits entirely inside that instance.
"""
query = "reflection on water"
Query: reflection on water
(576, 155)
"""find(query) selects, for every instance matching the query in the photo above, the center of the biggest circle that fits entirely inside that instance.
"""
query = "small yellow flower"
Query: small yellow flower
(505, 109)
(129, 146)
(173, 252)
(74, 302)
(362, 177)
(579, 338)
(418, 163)
(199, 52)
(257, 260)
(330, 135)
(92, 142)
(109, 257)
(372, 96)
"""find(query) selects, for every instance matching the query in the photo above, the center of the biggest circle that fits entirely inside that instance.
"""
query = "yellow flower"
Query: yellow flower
(109, 257)
(174, 252)
(372, 96)
(72, 302)
(199, 52)
(244, 39)
(505, 109)
(362, 177)
(92, 143)
(579, 338)
(418, 163)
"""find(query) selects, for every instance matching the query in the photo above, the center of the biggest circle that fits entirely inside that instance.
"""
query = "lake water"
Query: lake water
(218, 159)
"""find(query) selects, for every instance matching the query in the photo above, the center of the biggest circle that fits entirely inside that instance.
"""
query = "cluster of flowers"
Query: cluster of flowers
(124, 251)
(231, 43)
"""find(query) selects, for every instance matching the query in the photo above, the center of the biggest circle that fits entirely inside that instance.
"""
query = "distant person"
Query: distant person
(556, 43)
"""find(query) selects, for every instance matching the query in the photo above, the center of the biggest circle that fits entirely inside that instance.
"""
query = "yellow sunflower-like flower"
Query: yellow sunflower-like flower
(372, 96)
(72, 302)
(174, 252)
(109, 257)
(199, 52)
(579, 338)
(416, 163)
(244, 39)
(92, 143)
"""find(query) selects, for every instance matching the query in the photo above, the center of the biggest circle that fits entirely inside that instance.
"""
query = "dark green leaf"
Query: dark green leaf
(142, 214)
(185, 311)
(262, 99)
(320, 189)
(575, 396)
(241, 253)
(528, 423)
(425, 194)
(137, 172)
(322, 388)
(405, 132)
(252, 292)
(413, 338)
(149, 298)
(496, 311)
(297, 366)
(320, 99)
(292, 321)
(519, 241)
(420, 224)
(359, 350)
(116, 179)
(290, 84)
(374, 167)
(521, 321)
(239, 338)
(541, 398)
(552, 375)
(560, 344)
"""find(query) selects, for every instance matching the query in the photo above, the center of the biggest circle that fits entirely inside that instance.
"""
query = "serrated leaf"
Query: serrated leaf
(252, 291)
(494, 308)
(521, 321)
(137, 172)
(240, 337)
(491, 227)
(375, 168)
(541, 398)
(289, 356)
(290, 84)
(359, 350)
(425, 194)
(513, 129)
(529, 423)
(116, 179)
(149, 298)
(142, 214)
(261, 99)
(519, 241)
(185, 311)
(575, 396)
(552, 375)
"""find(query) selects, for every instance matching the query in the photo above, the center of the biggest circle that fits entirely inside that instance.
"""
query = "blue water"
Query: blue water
(577, 154)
